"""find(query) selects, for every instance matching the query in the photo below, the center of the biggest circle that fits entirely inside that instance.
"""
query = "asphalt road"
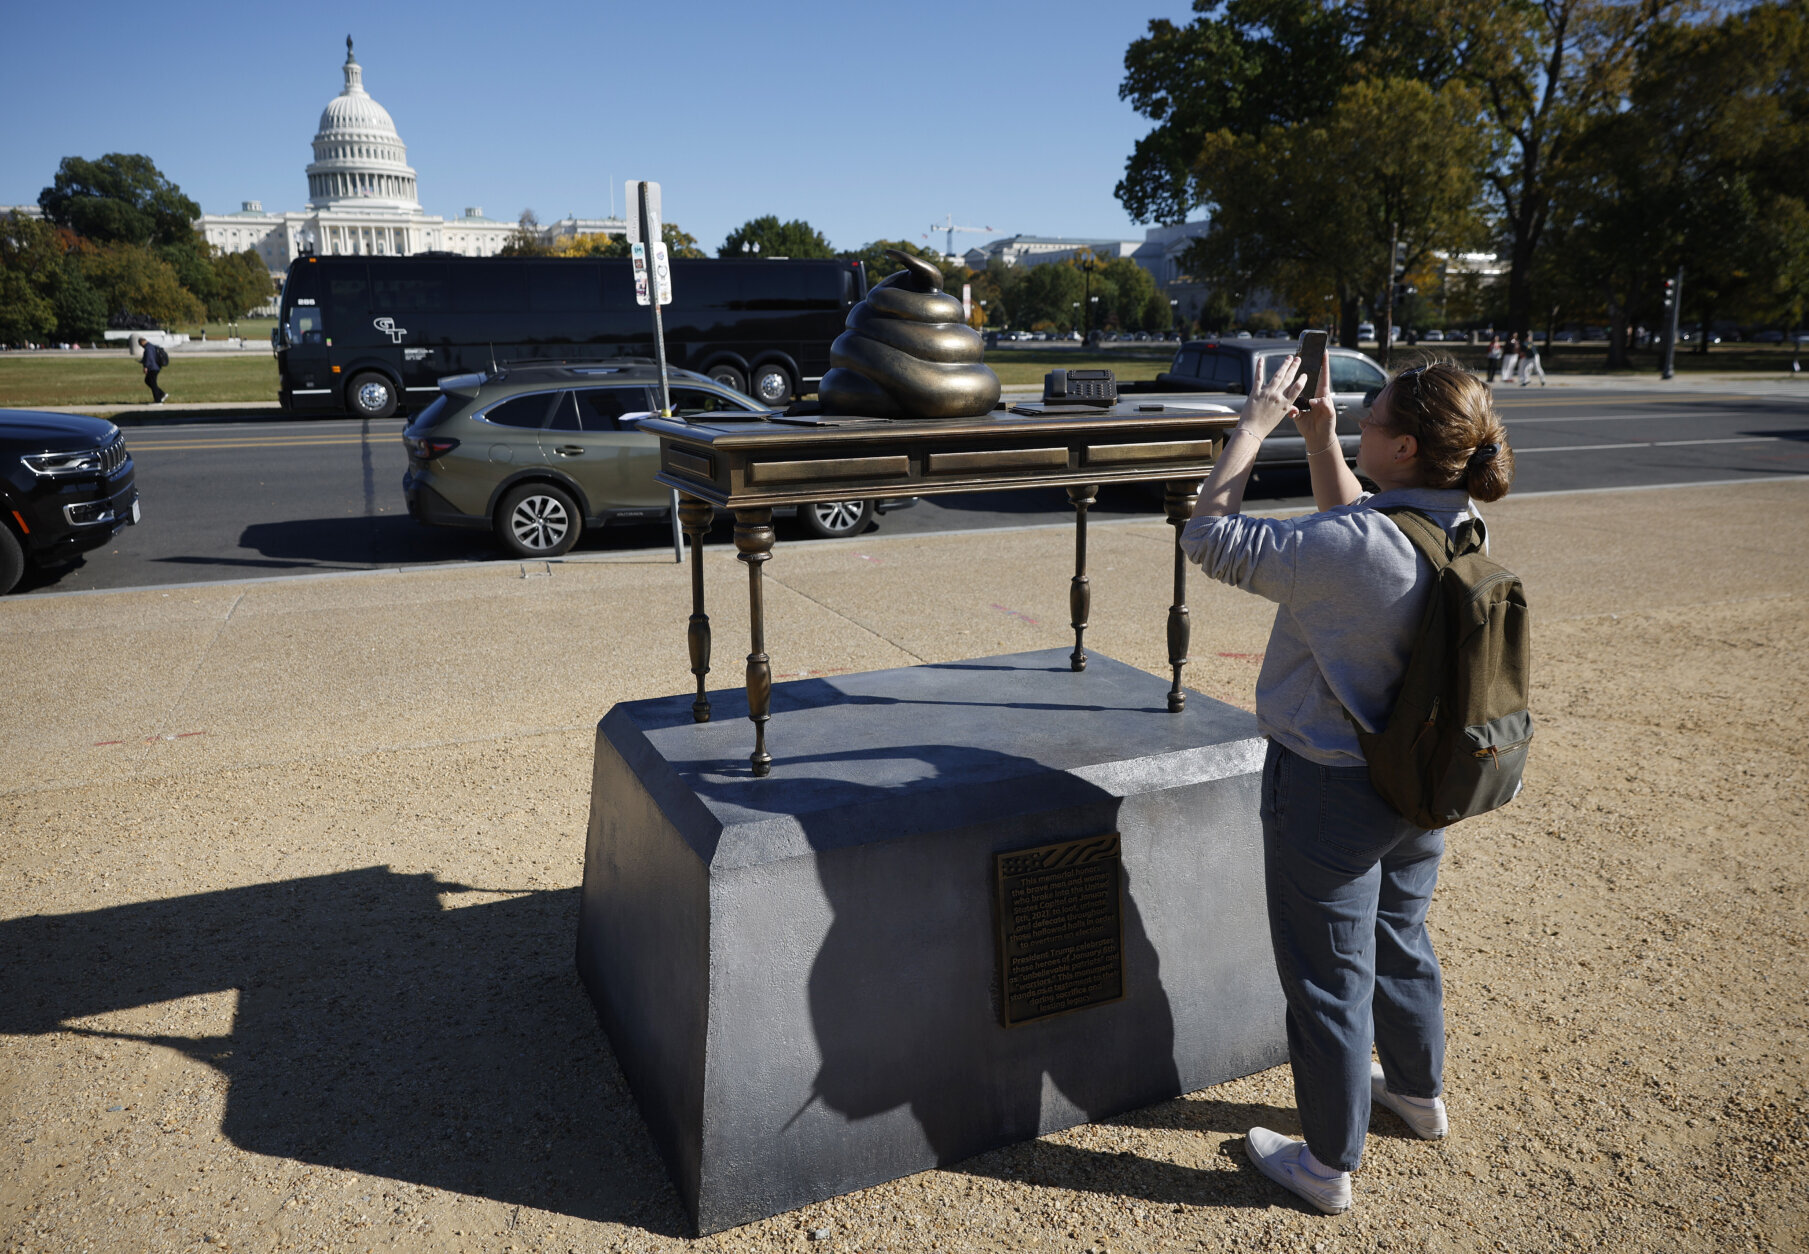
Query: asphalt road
(260, 497)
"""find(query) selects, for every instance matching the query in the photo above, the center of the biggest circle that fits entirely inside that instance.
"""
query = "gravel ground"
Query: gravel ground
(225, 1025)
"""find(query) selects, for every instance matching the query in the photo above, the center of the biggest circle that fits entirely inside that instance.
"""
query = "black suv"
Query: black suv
(66, 486)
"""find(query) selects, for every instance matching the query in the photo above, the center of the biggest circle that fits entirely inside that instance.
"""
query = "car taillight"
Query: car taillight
(431, 448)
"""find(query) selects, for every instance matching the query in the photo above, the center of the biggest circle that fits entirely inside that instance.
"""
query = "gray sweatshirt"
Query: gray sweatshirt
(1351, 588)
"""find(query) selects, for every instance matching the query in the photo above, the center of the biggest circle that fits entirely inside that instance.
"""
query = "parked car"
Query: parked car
(1219, 365)
(540, 452)
(1768, 337)
(1366, 331)
(67, 485)
(1434, 336)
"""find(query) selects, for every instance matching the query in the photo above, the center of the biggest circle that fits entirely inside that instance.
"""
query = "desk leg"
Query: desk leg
(1080, 591)
(1178, 499)
(697, 516)
(754, 545)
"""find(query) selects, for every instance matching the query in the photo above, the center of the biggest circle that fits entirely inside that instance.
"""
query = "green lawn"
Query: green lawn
(1025, 367)
(115, 379)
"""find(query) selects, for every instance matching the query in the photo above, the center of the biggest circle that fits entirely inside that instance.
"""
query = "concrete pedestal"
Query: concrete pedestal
(799, 973)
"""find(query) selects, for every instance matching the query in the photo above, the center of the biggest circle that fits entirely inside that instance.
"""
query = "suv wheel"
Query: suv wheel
(12, 560)
(537, 520)
(832, 520)
(371, 395)
(729, 377)
(771, 385)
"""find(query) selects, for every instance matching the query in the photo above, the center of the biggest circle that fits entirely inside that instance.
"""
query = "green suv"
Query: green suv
(541, 451)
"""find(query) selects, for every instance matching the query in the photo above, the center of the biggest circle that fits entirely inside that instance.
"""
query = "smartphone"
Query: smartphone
(1312, 361)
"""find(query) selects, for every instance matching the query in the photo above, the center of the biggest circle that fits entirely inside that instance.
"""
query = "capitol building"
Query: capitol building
(362, 199)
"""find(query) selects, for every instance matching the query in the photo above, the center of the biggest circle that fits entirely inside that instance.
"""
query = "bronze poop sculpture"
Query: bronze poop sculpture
(908, 354)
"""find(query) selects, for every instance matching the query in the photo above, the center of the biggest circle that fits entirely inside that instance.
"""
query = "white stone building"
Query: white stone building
(363, 199)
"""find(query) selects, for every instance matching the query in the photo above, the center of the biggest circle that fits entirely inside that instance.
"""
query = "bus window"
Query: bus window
(409, 287)
(564, 289)
(601, 409)
(492, 287)
(347, 301)
(304, 325)
(707, 285)
(522, 411)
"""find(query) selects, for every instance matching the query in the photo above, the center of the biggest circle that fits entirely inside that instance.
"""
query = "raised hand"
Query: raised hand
(1271, 400)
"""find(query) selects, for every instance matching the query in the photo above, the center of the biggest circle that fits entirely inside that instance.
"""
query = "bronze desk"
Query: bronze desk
(749, 467)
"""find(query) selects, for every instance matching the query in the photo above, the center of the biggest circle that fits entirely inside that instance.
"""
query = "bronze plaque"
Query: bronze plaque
(1061, 928)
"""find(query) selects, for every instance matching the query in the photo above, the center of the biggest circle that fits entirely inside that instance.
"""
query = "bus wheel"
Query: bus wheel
(537, 520)
(729, 377)
(772, 385)
(832, 520)
(372, 395)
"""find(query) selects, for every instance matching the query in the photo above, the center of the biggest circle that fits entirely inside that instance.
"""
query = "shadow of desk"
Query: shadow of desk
(749, 467)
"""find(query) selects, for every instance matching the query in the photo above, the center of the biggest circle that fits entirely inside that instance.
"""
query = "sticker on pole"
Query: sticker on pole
(661, 273)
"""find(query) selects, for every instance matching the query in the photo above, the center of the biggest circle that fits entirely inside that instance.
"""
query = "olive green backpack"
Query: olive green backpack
(1455, 745)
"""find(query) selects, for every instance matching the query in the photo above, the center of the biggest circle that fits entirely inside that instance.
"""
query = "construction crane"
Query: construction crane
(951, 228)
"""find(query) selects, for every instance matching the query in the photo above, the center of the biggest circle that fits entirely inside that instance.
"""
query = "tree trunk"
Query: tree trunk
(1618, 333)
(1349, 313)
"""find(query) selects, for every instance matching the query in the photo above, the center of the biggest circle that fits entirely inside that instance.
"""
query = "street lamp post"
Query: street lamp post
(1074, 325)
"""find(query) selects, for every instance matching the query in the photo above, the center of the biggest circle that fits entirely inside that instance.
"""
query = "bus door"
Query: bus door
(303, 356)
(591, 436)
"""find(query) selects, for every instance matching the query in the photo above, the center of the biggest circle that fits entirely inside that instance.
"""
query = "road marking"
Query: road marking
(1743, 417)
(1592, 448)
(1690, 398)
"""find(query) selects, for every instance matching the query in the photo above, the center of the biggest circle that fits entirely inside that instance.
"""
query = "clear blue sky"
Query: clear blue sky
(868, 120)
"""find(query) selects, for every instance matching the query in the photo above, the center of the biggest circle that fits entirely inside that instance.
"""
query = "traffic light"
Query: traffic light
(1670, 292)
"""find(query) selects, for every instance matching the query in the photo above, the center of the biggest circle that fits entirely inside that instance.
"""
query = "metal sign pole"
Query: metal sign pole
(650, 236)
(644, 235)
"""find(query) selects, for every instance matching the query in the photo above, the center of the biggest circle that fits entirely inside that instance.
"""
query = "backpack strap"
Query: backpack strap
(1434, 541)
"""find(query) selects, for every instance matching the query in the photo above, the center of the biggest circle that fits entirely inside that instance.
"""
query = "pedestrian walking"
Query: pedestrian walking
(1347, 879)
(1494, 356)
(1510, 358)
(1530, 365)
(154, 360)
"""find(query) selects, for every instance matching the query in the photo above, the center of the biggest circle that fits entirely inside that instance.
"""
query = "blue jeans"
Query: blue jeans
(1348, 884)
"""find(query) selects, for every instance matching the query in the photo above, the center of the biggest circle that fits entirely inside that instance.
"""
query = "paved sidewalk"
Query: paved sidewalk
(202, 678)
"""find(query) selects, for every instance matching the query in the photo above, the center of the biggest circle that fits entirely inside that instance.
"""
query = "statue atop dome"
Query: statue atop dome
(358, 156)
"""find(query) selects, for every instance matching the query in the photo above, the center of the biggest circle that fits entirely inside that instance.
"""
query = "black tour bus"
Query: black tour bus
(373, 335)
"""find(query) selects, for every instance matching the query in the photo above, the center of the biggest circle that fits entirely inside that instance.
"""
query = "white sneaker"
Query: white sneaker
(1278, 1157)
(1427, 1122)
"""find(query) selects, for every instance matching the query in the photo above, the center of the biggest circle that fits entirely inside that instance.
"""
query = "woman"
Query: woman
(1348, 880)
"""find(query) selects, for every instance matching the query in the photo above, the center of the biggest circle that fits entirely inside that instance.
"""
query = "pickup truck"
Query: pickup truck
(1229, 366)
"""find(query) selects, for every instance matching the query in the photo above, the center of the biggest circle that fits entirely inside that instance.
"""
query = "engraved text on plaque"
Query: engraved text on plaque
(1061, 928)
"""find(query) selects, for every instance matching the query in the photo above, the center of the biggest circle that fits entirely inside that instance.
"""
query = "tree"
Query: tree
(1240, 67)
(525, 240)
(1704, 169)
(1246, 65)
(31, 266)
(678, 244)
(774, 238)
(1545, 73)
(1311, 208)
(873, 258)
(119, 198)
(134, 281)
(241, 284)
